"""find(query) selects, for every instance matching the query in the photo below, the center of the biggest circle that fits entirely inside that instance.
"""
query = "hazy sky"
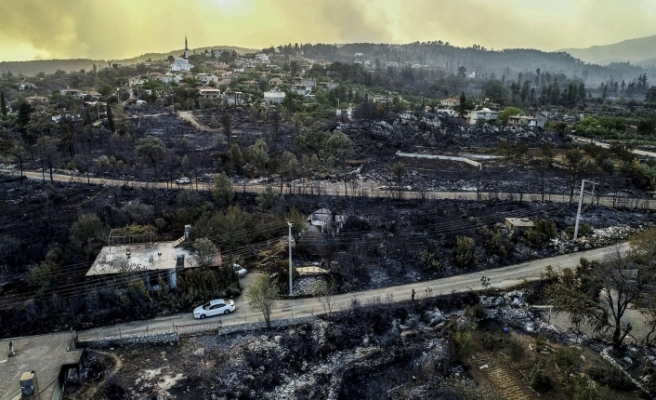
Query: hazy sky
(112, 29)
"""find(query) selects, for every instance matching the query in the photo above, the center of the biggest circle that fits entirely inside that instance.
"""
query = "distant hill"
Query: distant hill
(636, 51)
(177, 53)
(31, 68)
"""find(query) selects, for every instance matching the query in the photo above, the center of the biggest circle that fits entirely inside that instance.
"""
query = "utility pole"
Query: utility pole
(578, 213)
(290, 256)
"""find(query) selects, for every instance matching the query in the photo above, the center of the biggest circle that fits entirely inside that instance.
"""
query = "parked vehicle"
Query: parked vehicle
(214, 308)
(241, 271)
(183, 181)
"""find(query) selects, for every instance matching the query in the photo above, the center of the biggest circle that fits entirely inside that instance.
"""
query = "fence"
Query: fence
(315, 188)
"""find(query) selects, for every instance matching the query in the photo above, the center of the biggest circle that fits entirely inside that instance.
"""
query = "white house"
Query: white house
(450, 102)
(209, 92)
(136, 81)
(72, 92)
(274, 96)
(301, 89)
(26, 85)
(523, 120)
(262, 58)
(485, 114)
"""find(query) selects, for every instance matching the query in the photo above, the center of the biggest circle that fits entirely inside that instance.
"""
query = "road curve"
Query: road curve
(502, 278)
(607, 201)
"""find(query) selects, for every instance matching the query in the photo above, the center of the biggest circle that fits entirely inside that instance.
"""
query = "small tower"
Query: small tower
(186, 53)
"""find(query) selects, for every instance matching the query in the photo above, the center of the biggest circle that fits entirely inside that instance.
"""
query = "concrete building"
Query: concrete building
(450, 102)
(139, 255)
(274, 96)
(209, 92)
(485, 115)
(324, 221)
(53, 358)
(517, 225)
(523, 120)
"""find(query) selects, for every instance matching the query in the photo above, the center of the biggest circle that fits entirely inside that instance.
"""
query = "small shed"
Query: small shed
(517, 225)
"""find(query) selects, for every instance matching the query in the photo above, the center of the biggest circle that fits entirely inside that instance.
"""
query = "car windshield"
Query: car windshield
(206, 306)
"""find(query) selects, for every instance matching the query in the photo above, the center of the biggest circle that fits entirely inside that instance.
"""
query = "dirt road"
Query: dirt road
(607, 146)
(318, 190)
(502, 278)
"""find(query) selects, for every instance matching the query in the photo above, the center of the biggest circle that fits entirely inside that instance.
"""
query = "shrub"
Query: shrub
(515, 349)
(584, 230)
(611, 377)
(464, 343)
(539, 380)
(429, 262)
(585, 389)
(543, 231)
(465, 252)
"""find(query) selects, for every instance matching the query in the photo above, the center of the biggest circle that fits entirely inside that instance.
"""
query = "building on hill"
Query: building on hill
(485, 115)
(274, 96)
(523, 120)
(450, 102)
(182, 63)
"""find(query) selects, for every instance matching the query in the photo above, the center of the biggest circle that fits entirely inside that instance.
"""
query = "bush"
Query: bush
(543, 231)
(464, 343)
(585, 389)
(428, 261)
(516, 350)
(465, 252)
(611, 377)
(584, 230)
(539, 380)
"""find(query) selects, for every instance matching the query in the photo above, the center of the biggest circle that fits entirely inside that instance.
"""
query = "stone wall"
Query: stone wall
(127, 340)
(252, 326)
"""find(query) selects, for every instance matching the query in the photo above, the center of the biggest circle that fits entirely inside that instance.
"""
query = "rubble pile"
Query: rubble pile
(600, 238)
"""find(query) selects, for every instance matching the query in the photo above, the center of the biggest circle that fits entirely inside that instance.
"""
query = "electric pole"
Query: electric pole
(290, 256)
(578, 213)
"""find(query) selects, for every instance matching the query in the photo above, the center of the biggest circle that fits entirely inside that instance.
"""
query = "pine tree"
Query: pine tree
(110, 119)
(3, 104)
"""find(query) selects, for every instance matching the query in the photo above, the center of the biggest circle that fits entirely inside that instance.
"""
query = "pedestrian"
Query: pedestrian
(413, 295)
(11, 349)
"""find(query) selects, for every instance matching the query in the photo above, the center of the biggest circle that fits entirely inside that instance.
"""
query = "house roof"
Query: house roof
(114, 260)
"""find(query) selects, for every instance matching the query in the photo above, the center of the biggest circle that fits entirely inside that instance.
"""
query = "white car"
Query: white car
(213, 308)
(239, 270)
(183, 181)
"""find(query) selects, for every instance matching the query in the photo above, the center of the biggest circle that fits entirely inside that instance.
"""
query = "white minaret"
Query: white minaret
(186, 53)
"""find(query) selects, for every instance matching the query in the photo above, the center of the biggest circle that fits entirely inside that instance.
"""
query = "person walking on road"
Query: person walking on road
(11, 349)
(413, 295)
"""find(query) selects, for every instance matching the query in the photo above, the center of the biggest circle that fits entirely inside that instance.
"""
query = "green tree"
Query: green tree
(3, 104)
(258, 156)
(650, 96)
(205, 252)
(46, 147)
(268, 198)
(509, 112)
(89, 233)
(568, 359)
(463, 102)
(465, 247)
(399, 170)
(236, 158)
(226, 121)
(262, 295)
(110, 118)
(152, 149)
(223, 191)
(495, 90)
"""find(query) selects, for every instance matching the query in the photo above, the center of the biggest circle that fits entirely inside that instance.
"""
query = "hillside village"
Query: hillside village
(331, 222)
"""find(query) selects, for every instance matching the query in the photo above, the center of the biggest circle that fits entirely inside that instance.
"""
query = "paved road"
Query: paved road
(607, 201)
(502, 278)
(607, 146)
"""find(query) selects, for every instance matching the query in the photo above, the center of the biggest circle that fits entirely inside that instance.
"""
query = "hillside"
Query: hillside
(636, 51)
(31, 68)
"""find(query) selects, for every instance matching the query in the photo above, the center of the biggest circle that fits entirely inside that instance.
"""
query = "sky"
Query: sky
(115, 29)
